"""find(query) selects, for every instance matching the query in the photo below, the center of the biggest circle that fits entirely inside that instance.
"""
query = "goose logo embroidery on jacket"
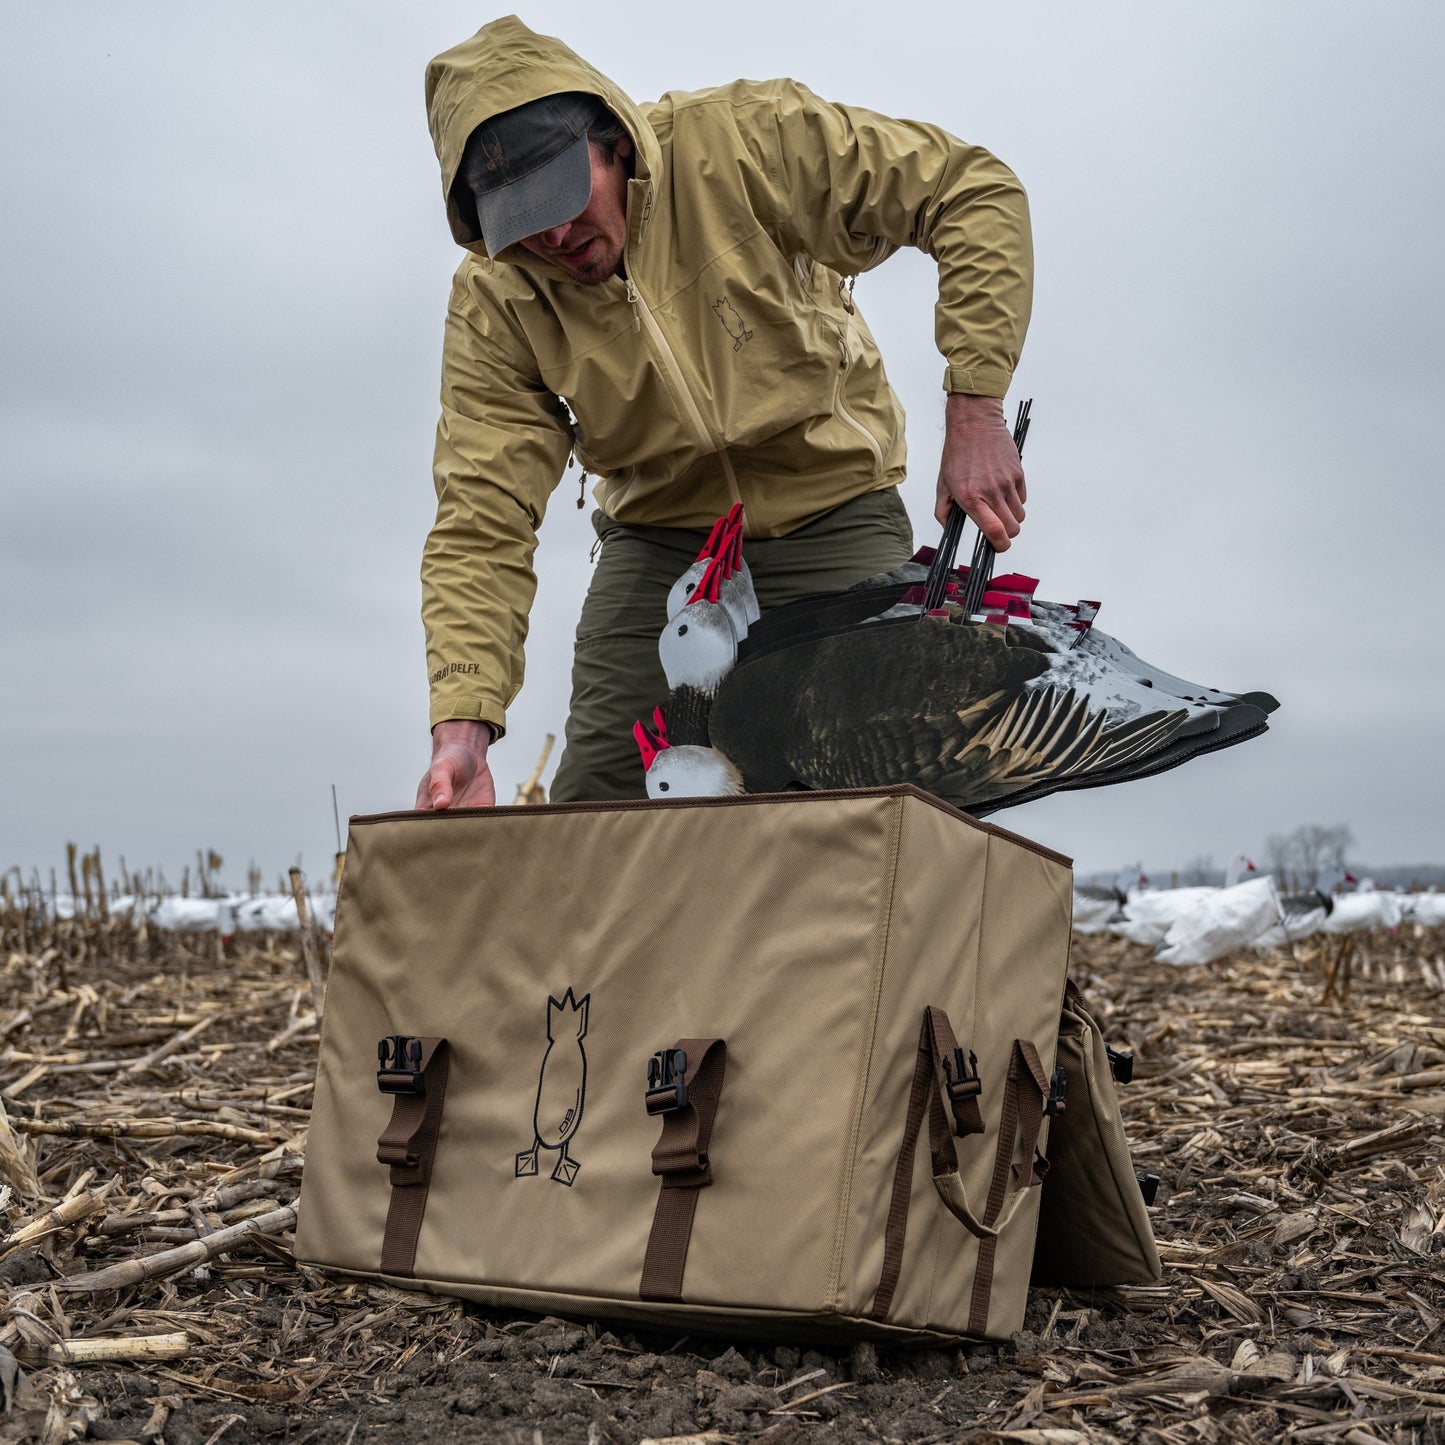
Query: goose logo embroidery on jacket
(561, 1088)
(723, 309)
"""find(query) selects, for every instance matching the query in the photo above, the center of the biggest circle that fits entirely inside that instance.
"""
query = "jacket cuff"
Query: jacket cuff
(977, 380)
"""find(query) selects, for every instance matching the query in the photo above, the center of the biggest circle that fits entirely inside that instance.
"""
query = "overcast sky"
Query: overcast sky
(225, 266)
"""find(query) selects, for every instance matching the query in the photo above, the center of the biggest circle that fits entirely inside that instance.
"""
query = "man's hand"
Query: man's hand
(459, 776)
(981, 470)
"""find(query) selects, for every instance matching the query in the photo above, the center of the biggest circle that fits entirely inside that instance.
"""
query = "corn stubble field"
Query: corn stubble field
(155, 1093)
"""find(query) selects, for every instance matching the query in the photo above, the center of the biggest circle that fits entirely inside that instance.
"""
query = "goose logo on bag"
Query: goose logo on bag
(561, 1088)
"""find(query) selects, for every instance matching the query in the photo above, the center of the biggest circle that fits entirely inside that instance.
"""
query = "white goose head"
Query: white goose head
(686, 771)
(699, 646)
(724, 544)
(1239, 865)
(686, 585)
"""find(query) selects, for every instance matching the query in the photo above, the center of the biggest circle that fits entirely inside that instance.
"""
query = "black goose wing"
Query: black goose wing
(864, 706)
(1238, 723)
(925, 701)
(1052, 733)
(814, 616)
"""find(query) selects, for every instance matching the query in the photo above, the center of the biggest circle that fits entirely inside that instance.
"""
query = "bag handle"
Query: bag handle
(1023, 1111)
(684, 1086)
(414, 1071)
(1025, 1092)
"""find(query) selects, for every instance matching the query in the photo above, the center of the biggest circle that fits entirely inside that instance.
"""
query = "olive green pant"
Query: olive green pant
(616, 675)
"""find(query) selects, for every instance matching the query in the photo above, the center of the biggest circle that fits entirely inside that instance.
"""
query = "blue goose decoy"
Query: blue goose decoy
(968, 712)
(962, 683)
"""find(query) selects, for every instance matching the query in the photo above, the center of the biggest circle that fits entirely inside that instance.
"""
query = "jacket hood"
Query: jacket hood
(502, 66)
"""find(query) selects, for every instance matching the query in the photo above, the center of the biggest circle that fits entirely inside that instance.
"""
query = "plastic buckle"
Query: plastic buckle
(1121, 1064)
(666, 1086)
(960, 1076)
(1058, 1093)
(398, 1058)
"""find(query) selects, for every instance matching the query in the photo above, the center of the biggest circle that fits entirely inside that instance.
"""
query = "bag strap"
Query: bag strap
(939, 1054)
(1023, 1110)
(685, 1091)
(414, 1071)
(895, 1230)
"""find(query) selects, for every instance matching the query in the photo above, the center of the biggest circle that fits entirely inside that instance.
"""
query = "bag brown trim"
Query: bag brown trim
(937, 1050)
(742, 800)
(1022, 1111)
(882, 934)
(408, 1144)
(680, 1159)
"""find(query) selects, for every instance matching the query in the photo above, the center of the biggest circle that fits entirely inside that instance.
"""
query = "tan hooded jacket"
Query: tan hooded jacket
(729, 364)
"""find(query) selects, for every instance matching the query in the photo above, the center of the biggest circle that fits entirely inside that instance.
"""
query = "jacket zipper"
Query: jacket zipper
(644, 318)
(847, 416)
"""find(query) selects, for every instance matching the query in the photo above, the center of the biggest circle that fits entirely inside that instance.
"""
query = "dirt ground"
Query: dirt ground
(156, 1098)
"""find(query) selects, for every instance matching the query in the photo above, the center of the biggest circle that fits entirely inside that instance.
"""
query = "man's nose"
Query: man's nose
(556, 236)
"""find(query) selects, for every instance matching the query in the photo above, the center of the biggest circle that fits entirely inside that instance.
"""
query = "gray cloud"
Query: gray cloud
(226, 271)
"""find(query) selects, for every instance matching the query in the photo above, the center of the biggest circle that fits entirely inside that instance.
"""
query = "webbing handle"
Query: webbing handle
(937, 1061)
(408, 1146)
(954, 1194)
(681, 1161)
(1022, 1112)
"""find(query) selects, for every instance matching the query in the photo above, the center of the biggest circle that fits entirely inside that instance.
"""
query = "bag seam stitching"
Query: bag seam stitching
(978, 957)
(881, 932)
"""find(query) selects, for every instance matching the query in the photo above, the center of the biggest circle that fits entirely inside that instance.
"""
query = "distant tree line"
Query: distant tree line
(1312, 856)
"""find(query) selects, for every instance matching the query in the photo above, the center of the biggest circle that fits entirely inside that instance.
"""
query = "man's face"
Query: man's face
(589, 246)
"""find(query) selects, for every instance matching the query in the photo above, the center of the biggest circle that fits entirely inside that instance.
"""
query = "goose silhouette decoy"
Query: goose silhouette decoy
(1010, 599)
(1214, 719)
(683, 770)
(965, 684)
(1101, 664)
(1300, 915)
(967, 712)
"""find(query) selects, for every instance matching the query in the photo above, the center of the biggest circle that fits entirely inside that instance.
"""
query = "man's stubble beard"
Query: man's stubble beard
(594, 273)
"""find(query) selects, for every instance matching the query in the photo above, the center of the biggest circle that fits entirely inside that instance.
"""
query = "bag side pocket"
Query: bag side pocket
(1094, 1227)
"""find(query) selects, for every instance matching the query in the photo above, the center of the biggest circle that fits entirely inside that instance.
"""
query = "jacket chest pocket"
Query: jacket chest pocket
(765, 354)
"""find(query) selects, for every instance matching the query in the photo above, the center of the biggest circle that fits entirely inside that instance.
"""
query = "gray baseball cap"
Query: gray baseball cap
(528, 168)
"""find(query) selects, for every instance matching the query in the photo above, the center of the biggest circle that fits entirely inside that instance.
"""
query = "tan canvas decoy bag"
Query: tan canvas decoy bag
(771, 1064)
